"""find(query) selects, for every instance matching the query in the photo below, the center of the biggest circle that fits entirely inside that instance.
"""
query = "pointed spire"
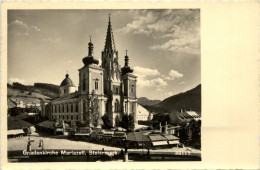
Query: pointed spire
(110, 43)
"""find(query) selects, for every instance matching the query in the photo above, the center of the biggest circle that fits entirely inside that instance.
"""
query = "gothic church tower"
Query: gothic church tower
(112, 75)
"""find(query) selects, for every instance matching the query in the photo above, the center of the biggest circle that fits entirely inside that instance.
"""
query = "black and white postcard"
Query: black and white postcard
(120, 85)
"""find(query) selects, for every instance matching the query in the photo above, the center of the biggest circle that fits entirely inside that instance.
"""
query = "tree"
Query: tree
(124, 122)
(131, 122)
(94, 116)
(107, 123)
(128, 122)
(117, 121)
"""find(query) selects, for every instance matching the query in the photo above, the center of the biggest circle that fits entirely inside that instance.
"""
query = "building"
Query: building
(183, 117)
(16, 103)
(143, 114)
(106, 89)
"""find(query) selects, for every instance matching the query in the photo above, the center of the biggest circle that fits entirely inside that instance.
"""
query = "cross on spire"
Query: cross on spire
(126, 52)
(90, 37)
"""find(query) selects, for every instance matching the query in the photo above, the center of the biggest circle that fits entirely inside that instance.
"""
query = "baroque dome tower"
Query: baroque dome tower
(67, 86)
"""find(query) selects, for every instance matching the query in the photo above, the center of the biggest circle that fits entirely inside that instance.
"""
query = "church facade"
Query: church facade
(106, 89)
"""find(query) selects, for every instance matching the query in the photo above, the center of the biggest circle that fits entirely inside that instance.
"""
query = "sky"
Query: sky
(163, 46)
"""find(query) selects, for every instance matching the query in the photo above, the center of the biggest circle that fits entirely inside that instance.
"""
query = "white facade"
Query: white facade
(143, 114)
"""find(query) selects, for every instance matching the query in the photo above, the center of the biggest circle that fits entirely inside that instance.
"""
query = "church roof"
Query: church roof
(67, 81)
(110, 42)
(71, 96)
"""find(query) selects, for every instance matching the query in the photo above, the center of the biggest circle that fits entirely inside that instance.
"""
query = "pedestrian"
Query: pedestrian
(29, 130)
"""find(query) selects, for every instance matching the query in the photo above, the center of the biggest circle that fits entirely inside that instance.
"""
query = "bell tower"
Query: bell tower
(129, 89)
(112, 75)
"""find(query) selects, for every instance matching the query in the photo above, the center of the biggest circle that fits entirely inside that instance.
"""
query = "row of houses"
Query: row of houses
(20, 104)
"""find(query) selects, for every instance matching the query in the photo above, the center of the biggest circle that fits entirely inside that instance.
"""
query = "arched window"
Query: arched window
(96, 85)
(84, 106)
(67, 108)
(117, 106)
(71, 108)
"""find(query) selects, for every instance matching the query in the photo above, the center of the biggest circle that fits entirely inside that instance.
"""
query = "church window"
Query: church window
(132, 88)
(116, 105)
(84, 83)
(106, 109)
(71, 107)
(116, 90)
(84, 107)
(67, 108)
(77, 107)
(96, 85)
(63, 117)
(133, 107)
(84, 117)
(55, 108)
(77, 117)
(62, 108)
(67, 116)
(125, 107)
(64, 91)
(71, 117)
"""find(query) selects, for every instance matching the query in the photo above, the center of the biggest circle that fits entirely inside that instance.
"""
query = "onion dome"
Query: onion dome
(67, 81)
(90, 59)
(126, 69)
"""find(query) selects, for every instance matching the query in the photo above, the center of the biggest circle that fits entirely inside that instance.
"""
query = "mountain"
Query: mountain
(146, 102)
(31, 94)
(38, 89)
(188, 100)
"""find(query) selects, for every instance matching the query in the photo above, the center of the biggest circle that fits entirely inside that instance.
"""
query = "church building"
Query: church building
(106, 89)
